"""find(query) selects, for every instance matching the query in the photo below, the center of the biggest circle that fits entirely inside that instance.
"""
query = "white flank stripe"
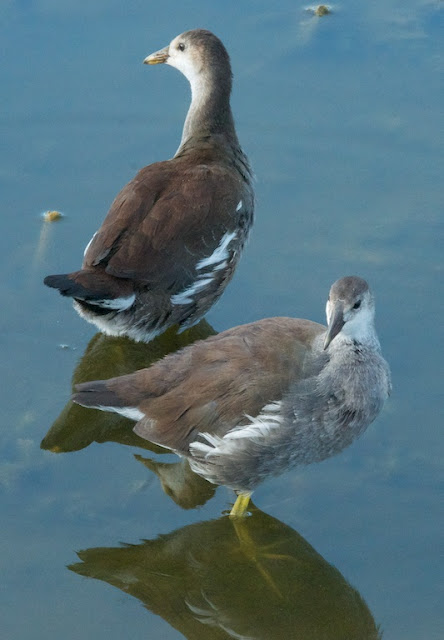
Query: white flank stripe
(216, 261)
(219, 254)
(221, 265)
(260, 426)
(89, 243)
(185, 297)
(118, 304)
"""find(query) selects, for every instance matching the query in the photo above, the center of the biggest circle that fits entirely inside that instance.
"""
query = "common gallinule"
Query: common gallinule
(174, 234)
(254, 400)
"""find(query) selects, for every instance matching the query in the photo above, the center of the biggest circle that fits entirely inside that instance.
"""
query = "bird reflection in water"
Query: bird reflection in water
(77, 428)
(183, 486)
(106, 357)
(255, 579)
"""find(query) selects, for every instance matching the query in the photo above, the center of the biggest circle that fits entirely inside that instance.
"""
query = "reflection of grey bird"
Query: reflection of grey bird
(173, 236)
(258, 398)
(256, 580)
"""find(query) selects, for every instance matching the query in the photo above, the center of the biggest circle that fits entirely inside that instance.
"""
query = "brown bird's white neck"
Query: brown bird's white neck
(210, 111)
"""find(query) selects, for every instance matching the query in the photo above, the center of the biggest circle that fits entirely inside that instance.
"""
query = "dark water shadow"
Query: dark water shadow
(107, 357)
(254, 579)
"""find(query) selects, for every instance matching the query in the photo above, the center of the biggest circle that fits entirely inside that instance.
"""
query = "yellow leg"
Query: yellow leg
(240, 507)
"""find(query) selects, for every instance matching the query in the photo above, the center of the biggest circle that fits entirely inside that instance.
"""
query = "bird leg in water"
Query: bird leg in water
(239, 509)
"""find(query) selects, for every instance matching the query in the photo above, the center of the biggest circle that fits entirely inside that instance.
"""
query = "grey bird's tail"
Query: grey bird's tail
(94, 394)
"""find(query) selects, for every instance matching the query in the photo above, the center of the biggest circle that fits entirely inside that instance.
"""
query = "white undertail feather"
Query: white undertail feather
(129, 412)
(116, 304)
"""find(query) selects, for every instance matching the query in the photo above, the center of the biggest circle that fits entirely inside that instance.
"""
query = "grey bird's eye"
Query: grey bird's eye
(181, 46)
(357, 304)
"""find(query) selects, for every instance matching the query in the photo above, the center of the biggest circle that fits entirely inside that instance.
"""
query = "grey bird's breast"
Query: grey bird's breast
(319, 416)
(342, 400)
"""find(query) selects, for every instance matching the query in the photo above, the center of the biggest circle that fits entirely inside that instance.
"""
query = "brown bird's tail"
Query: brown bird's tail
(94, 288)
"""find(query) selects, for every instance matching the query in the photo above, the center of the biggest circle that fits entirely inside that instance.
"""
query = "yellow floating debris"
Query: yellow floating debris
(322, 10)
(52, 216)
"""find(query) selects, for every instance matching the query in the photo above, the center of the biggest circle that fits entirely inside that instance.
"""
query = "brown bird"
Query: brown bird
(256, 399)
(174, 234)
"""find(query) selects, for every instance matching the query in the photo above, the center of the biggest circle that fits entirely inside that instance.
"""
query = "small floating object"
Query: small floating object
(320, 10)
(52, 216)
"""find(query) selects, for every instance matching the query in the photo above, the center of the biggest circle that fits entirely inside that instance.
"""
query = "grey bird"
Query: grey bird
(173, 236)
(254, 400)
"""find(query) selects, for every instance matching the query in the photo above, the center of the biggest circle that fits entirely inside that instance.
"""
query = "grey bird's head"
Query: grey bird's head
(198, 54)
(350, 311)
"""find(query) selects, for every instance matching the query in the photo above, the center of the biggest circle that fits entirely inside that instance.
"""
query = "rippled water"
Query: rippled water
(342, 119)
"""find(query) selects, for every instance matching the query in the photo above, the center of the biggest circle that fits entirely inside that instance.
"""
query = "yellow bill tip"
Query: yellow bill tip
(158, 57)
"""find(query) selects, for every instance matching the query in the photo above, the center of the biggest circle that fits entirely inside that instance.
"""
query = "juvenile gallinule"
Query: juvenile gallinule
(174, 234)
(254, 400)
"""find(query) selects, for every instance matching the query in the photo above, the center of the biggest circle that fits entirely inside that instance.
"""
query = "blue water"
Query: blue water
(341, 117)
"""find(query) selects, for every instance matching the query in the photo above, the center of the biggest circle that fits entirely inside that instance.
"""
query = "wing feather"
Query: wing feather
(165, 220)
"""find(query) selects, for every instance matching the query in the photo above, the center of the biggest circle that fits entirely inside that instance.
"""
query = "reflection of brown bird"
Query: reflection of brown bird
(174, 234)
(107, 356)
(251, 401)
(259, 580)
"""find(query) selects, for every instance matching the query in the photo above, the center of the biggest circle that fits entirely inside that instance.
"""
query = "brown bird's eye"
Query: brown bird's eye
(357, 304)
(181, 46)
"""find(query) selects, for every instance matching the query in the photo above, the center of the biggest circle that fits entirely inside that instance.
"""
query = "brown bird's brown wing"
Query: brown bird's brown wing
(212, 385)
(170, 216)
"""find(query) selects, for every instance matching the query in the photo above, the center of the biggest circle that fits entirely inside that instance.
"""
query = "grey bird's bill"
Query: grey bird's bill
(158, 57)
(335, 325)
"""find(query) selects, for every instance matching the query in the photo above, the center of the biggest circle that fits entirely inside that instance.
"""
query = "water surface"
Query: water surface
(342, 119)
